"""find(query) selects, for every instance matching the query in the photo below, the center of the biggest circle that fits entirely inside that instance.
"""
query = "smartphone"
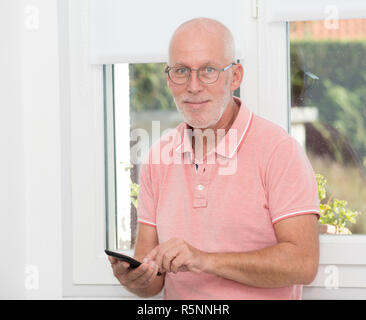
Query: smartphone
(133, 263)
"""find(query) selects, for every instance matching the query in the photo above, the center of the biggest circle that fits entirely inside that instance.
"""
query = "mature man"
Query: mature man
(246, 233)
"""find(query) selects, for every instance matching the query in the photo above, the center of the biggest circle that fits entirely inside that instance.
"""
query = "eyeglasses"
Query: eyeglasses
(206, 74)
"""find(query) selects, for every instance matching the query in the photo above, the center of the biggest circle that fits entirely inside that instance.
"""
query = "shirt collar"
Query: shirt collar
(229, 144)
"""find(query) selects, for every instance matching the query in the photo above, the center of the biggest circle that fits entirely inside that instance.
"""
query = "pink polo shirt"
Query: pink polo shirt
(257, 176)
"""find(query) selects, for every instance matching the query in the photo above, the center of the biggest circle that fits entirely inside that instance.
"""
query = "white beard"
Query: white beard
(202, 125)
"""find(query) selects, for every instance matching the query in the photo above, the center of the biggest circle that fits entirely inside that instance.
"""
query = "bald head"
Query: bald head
(204, 28)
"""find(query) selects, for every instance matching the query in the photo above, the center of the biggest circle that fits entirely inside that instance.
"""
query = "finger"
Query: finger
(161, 247)
(178, 263)
(166, 254)
(169, 256)
(148, 276)
(152, 254)
(125, 274)
(153, 275)
(120, 268)
(136, 273)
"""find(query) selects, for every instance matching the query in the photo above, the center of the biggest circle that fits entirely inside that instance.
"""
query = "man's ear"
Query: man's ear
(238, 74)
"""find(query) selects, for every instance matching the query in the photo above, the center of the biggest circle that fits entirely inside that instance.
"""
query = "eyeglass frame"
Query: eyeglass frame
(167, 69)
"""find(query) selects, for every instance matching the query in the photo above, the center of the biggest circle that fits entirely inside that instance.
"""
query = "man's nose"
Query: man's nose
(194, 85)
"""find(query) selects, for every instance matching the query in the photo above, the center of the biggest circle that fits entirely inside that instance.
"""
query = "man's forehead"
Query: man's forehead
(196, 39)
(196, 59)
(202, 39)
(197, 50)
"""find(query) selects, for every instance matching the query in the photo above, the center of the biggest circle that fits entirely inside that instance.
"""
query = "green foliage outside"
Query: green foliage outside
(148, 87)
(134, 187)
(331, 75)
(334, 212)
(340, 93)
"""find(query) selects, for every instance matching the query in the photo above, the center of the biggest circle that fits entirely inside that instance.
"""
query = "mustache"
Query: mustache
(195, 100)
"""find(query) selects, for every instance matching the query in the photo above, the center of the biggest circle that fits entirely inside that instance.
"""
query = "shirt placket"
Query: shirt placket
(201, 184)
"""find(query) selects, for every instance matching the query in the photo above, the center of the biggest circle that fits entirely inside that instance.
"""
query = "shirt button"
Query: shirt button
(200, 187)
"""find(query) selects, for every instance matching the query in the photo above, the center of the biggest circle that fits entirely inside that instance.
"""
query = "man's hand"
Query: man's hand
(138, 278)
(176, 255)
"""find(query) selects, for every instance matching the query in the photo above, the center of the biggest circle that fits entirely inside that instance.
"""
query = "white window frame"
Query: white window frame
(86, 269)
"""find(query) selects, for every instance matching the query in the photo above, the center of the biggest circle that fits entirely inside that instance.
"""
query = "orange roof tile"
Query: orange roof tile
(329, 29)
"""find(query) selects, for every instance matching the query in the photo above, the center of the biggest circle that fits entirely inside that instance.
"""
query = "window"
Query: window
(328, 108)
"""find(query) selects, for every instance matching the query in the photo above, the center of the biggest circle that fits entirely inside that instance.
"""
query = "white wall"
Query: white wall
(30, 228)
(12, 196)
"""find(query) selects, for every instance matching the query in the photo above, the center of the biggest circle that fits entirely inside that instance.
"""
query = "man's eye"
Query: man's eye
(181, 70)
(209, 69)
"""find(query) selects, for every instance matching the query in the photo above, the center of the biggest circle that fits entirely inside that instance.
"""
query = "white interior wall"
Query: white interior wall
(12, 204)
(30, 228)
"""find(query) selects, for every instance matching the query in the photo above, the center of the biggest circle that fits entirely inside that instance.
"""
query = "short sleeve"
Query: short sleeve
(146, 209)
(290, 180)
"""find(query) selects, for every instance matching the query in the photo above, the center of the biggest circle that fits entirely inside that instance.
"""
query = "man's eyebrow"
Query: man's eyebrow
(179, 64)
(207, 63)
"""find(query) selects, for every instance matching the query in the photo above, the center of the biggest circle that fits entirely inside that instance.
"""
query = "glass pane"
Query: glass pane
(328, 112)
